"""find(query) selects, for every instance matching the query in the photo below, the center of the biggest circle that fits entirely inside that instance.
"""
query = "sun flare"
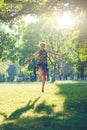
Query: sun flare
(66, 20)
(29, 19)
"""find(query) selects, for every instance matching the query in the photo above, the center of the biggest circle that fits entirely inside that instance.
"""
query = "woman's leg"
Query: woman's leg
(42, 77)
(43, 81)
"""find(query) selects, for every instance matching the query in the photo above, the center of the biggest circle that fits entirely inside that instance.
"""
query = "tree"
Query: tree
(28, 45)
(81, 63)
(8, 41)
(11, 9)
(11, 73)
(81, 47)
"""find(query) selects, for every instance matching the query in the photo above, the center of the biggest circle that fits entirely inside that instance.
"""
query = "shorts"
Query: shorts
(43, 66)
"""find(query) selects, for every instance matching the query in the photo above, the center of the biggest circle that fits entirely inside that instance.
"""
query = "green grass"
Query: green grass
(63, 106)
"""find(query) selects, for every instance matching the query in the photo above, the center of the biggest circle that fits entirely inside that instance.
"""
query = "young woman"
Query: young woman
(42, 65)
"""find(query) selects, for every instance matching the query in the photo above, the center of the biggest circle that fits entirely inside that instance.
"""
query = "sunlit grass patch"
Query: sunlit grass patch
(63, 106)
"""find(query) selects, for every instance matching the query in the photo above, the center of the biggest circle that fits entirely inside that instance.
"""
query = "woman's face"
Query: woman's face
(42, 46)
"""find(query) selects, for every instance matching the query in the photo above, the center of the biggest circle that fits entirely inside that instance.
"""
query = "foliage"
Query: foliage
(11, 73)
(7, 45)
(11, 9)
(28, 43)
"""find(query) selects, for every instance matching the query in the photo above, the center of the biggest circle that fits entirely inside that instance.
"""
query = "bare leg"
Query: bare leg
(40, 73)
(43, 81)
(42, 77)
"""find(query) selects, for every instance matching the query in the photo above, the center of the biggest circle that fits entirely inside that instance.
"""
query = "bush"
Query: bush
(11, 73)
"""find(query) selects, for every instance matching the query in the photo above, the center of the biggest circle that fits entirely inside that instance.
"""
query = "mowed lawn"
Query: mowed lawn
(63, 106)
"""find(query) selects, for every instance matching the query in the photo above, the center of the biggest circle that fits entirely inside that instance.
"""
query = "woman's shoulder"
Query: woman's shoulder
(39, 51)
(46, 50)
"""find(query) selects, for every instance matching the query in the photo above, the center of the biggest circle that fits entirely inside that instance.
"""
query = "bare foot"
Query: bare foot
(42, 90)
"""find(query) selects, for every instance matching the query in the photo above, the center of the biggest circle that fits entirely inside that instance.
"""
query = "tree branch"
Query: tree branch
(40, 8)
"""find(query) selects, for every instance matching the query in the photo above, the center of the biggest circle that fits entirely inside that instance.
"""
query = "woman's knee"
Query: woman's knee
(41, 71)
(43, 76)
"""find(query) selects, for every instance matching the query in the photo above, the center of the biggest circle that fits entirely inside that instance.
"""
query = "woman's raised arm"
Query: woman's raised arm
(54, 53)
(31, 57)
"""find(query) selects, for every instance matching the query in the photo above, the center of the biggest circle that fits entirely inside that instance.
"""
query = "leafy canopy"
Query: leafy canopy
(11, 9)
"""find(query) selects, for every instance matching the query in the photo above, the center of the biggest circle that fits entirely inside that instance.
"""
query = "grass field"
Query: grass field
(63, 106)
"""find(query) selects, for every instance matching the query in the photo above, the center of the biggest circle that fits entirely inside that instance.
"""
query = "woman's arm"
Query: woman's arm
(54, 53)
(31, 57)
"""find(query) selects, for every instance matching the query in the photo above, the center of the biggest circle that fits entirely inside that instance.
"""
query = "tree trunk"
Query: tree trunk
(34, 73)
(53, 74)
(82, 71)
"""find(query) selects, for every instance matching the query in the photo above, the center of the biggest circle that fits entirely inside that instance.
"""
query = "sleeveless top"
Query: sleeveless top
(42, 57)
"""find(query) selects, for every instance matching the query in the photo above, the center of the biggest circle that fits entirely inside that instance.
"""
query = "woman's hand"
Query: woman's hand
(64, 56)
(27, 59)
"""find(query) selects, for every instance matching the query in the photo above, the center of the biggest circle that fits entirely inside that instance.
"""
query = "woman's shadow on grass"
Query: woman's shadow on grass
(17, 113)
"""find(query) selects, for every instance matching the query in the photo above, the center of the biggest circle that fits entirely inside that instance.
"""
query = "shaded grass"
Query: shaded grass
(63, 106)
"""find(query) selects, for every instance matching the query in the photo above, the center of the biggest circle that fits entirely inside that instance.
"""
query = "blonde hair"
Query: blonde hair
(40, 43)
